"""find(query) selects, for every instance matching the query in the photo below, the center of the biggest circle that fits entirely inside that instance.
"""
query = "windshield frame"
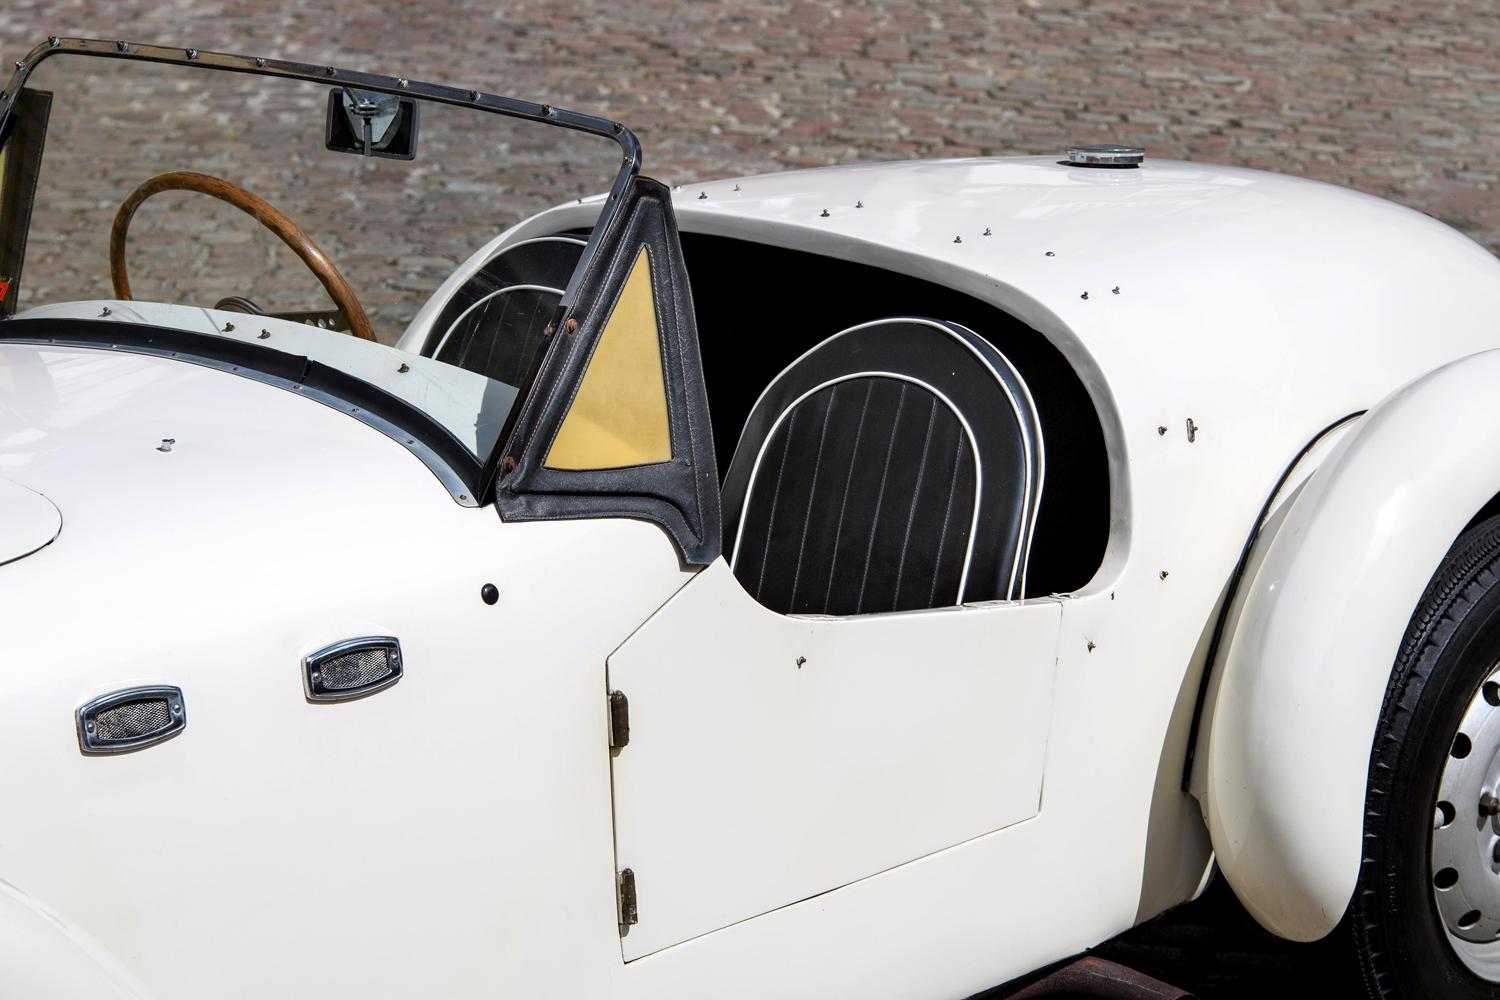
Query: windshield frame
(510, 107)
(470, 480)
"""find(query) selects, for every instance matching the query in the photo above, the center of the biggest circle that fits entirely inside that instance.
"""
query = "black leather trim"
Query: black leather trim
(854, 485)
(680, 495)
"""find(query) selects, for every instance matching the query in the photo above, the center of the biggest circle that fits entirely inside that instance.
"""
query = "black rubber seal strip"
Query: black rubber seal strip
(1235, 579)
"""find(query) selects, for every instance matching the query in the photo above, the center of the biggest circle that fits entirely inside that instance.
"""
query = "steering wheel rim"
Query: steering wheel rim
(262, 211)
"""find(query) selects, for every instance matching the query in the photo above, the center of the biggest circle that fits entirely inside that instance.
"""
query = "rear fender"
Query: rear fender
(1321, 621)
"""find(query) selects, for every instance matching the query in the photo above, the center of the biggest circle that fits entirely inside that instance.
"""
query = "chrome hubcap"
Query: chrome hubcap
(1465, 855)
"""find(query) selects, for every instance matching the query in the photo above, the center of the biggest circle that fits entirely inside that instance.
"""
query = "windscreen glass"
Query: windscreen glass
(386, 197)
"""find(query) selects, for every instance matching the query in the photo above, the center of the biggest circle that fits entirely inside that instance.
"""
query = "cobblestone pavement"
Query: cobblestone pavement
(1400, 99)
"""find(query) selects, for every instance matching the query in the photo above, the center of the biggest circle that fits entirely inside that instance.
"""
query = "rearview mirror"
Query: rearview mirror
(371, 123)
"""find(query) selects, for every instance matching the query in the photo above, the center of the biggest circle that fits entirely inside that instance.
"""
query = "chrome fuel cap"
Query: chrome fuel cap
(1105, 156)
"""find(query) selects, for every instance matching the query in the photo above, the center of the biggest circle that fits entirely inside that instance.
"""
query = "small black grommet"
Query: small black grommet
(489, 593)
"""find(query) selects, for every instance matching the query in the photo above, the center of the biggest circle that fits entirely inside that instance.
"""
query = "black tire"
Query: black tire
(1451, 646)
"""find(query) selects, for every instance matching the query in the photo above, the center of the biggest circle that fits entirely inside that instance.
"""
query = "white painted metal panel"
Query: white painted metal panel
(773, 758)
(28, 521)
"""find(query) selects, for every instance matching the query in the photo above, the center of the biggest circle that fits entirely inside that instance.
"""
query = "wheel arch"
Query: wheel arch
(1320, 621)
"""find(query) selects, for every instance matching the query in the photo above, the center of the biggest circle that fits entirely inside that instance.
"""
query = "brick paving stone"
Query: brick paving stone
(1398, 99)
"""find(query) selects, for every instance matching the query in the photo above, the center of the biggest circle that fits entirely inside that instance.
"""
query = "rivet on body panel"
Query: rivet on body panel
(166, 444)
(1163, 574)
(1091, 645)
(801, 660)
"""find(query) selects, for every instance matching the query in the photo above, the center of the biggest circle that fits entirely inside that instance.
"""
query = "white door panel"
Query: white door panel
(751, 782)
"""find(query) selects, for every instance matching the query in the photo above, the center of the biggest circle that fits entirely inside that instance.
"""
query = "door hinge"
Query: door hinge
(619, 720)
(626, 891)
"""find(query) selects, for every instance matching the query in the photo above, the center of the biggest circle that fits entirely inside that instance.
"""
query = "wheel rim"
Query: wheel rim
(1465, 854)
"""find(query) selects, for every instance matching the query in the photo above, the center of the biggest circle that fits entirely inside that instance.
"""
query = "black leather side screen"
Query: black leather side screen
(679, 491)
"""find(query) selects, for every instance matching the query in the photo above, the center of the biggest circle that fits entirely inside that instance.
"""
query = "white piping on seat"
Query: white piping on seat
(1032, 475)
(739, 534)
(481, 301)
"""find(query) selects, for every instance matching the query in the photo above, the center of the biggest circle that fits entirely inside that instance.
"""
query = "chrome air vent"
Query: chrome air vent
(352, 669)
(132, 719)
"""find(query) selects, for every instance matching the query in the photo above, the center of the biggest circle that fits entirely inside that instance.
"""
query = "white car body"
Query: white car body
(461, 834)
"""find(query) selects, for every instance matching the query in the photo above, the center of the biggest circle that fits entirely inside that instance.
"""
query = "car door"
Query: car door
(774, 757)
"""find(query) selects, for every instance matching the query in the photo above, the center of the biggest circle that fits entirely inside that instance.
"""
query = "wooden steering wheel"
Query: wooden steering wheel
(263, 212)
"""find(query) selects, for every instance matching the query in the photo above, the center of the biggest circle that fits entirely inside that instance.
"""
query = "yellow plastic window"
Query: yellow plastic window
(619, 417)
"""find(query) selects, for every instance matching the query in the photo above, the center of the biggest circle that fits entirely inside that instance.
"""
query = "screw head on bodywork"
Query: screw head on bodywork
(1192, 430)
(823, 214)
(264, 335)
(228, 327)
(166, 444)
(123, 46)
(403, 369)
(702, 195)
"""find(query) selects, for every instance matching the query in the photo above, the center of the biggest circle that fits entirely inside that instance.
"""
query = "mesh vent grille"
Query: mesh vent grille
(355, 669)
(132, 720)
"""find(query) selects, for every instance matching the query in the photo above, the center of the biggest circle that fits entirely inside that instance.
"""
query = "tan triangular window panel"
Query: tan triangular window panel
(619, 417)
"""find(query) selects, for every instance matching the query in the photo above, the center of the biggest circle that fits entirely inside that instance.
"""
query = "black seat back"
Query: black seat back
(895, 466)
(495, 323)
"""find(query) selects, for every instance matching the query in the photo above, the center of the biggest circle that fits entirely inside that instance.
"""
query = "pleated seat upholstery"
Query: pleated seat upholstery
(896, 466)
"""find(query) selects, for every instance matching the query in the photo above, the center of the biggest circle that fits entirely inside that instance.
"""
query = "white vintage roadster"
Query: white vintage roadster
(1060, 532)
